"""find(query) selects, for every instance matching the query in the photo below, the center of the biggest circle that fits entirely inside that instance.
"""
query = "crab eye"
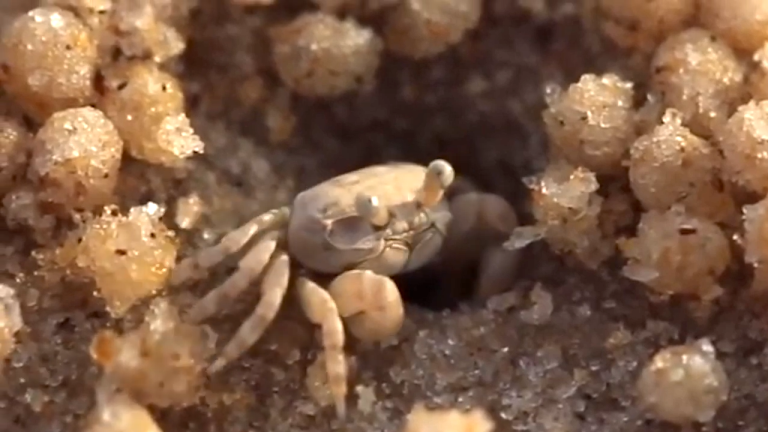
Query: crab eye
(437, 179)
(442, 172)
(370, 208)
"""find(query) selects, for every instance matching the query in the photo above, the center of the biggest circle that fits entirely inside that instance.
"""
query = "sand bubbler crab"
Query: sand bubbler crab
(361, 227)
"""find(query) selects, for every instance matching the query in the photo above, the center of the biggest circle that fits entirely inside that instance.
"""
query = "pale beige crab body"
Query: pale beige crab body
(361, 227)
(327, 234)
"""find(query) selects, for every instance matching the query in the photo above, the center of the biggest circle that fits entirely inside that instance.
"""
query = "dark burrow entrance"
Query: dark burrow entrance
(476, 106)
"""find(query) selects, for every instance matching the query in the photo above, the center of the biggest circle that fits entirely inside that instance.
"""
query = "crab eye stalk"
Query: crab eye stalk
(371, 208)
(437, 179)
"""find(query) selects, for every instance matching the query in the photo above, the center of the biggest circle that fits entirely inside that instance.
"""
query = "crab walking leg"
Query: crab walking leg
(498, 268)
(437, 179)
(249, 269)
(321, 310)
(273, 289)
(369, 303)
(194, 267)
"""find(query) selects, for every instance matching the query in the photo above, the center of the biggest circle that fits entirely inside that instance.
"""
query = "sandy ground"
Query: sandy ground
(477, 106)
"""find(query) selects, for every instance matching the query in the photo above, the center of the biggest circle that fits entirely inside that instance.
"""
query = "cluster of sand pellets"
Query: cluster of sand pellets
(668, 172)
(679, 165)
(423, 419)
(84, 88)
(320, 54)
(329, 52)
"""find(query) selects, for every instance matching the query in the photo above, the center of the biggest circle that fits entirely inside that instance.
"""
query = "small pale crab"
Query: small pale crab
(361, 227)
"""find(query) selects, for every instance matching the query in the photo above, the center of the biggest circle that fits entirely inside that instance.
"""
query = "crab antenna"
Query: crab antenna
(371, 208)
(437, 179)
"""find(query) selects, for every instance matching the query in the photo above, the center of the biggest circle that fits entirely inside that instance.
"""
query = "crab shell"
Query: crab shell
(328, 235)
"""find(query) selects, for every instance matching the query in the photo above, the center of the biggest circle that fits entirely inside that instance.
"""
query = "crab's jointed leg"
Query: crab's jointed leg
(273, 288)
(196, 266)
(249, 269)
(321, 310)
(497, 272)
(369, 303)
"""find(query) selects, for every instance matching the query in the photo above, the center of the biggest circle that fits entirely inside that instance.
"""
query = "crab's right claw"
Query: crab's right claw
(480, 224)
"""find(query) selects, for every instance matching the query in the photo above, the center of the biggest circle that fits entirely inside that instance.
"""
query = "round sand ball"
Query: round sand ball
(756, 233)
(48, 61)
(684, 384)
(423, 419)
(700, 76)
(364, 8)
(75, 159)
(567, 209)
(320, 55)
(141, 29)
(755, 243)
(94, 13)
(671, 165)
(147, 107)
(160, 363)
(425, 28)
(643, 24)
(744, 143)
(14, 142)
(128, 257)
(115, 411)
(676, 253)
(332, 6)
(757, 83)
(743, 23)
(11, 320)
(591, 124)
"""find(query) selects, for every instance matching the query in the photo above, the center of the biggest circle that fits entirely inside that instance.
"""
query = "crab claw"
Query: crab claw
(480, 225)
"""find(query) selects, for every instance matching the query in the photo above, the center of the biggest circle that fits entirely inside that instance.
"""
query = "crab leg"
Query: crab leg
(273, 289)
(321, 310)
(249, 269)
(195, 266)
